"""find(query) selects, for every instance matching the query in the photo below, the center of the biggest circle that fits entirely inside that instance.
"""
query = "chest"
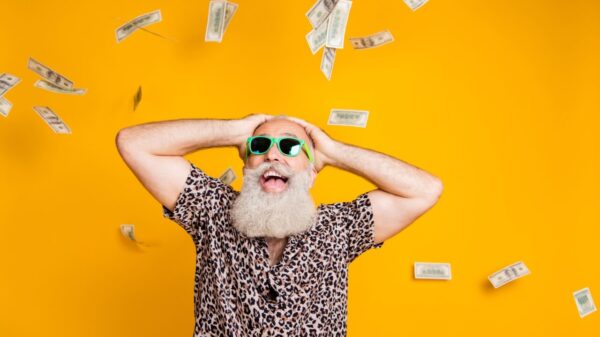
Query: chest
(275, 248)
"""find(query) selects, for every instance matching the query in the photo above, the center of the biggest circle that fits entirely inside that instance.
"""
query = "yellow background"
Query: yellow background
(501, 99)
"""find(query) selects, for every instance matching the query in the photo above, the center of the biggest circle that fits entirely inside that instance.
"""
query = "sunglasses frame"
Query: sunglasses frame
(276, 140)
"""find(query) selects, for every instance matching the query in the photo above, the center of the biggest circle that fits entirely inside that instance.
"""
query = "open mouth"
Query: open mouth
(273, 181)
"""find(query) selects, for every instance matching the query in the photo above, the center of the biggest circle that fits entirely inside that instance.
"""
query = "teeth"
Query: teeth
(272, 173)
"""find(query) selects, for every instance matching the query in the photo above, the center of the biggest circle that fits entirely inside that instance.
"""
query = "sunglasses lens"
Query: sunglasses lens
(260, 145)
(290, 146)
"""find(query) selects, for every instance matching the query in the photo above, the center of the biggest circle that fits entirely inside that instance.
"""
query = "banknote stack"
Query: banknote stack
(137, 23)
(433, 271)
(329, 19)
(7, 82)
(584, 301)
(344, 117)
(415, 4)
(52, 81)
(508, 274)
(52, 119)
(220, 13)
(227, 177)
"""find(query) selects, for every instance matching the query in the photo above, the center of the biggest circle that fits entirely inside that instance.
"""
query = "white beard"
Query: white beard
(256, 213)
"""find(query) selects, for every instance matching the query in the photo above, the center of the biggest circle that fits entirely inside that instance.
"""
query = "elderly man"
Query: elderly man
(270, 263)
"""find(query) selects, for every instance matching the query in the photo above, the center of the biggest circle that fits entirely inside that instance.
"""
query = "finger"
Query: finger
(299, 121)
(309, 127)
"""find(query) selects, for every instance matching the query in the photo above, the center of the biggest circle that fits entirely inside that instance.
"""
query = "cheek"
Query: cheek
(299, 165)
(254, 161)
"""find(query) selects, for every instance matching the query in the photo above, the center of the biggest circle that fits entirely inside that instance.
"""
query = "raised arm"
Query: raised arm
(404, 192)
(154, 151)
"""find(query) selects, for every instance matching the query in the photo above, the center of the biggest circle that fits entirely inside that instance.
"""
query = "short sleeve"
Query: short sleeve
(196, 201)
(359, 226)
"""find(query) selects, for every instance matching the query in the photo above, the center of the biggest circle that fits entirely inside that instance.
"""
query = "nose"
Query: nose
(273, 154)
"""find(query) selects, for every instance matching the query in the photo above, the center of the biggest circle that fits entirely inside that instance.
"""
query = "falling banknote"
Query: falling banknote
(230, 10)
(338, 20)
(215, 25)
(5, 106)
(52, 119)
(327, 61)
(137, 98)
(320, 11)
(227, 177)
(128, 231)
(433, 271)
(137, 23)
(49, 74)
(42, 84)
(372, 41)
(316, 37)
(348, 117)
(415, 4)
(508, 274)
(7, 82)
(584, 301)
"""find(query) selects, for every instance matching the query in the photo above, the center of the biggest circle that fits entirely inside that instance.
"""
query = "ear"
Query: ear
(313, 174)
(245, 162)
(242, 151)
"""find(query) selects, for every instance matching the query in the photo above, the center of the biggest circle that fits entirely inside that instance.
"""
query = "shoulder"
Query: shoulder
(361, 203)
(212, 190)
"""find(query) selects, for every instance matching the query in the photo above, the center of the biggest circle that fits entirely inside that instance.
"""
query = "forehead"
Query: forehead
(281, 127)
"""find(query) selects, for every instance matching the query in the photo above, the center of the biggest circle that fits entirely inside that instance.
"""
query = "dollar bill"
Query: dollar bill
(5, 106)
(42, 84)
(320, 11)
(508, 274)
(433, 271)
(346, 117)
(227, 177)
(128, 231)
(52, 119)
(7, 82)
(216, 21)
(316, 37)
(140, 21)
(338, 20)
(137, 98)
(230, 10)
(49, 74)
(327, 61)
(415, 4)
(584, 301)
(372, 41)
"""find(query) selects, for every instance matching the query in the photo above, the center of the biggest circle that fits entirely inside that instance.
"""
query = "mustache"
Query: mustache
(264, 167)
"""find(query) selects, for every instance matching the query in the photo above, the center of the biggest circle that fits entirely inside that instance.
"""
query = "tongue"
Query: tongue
(274, 183)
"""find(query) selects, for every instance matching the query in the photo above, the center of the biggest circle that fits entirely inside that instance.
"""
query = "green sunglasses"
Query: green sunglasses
(288, 146)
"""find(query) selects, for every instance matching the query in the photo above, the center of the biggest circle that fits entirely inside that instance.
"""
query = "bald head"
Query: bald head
(281, 126)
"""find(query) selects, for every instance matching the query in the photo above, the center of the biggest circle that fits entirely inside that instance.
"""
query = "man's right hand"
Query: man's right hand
(247, 126)
(155, 151)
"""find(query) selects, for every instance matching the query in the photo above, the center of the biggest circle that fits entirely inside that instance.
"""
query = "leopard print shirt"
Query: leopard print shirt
(238, 293)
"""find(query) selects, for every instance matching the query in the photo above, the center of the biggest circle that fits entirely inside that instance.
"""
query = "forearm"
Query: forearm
(387, 173)
(180, 137)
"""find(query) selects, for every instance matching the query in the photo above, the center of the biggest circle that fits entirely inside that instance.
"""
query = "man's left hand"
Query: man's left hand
(324, 145)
